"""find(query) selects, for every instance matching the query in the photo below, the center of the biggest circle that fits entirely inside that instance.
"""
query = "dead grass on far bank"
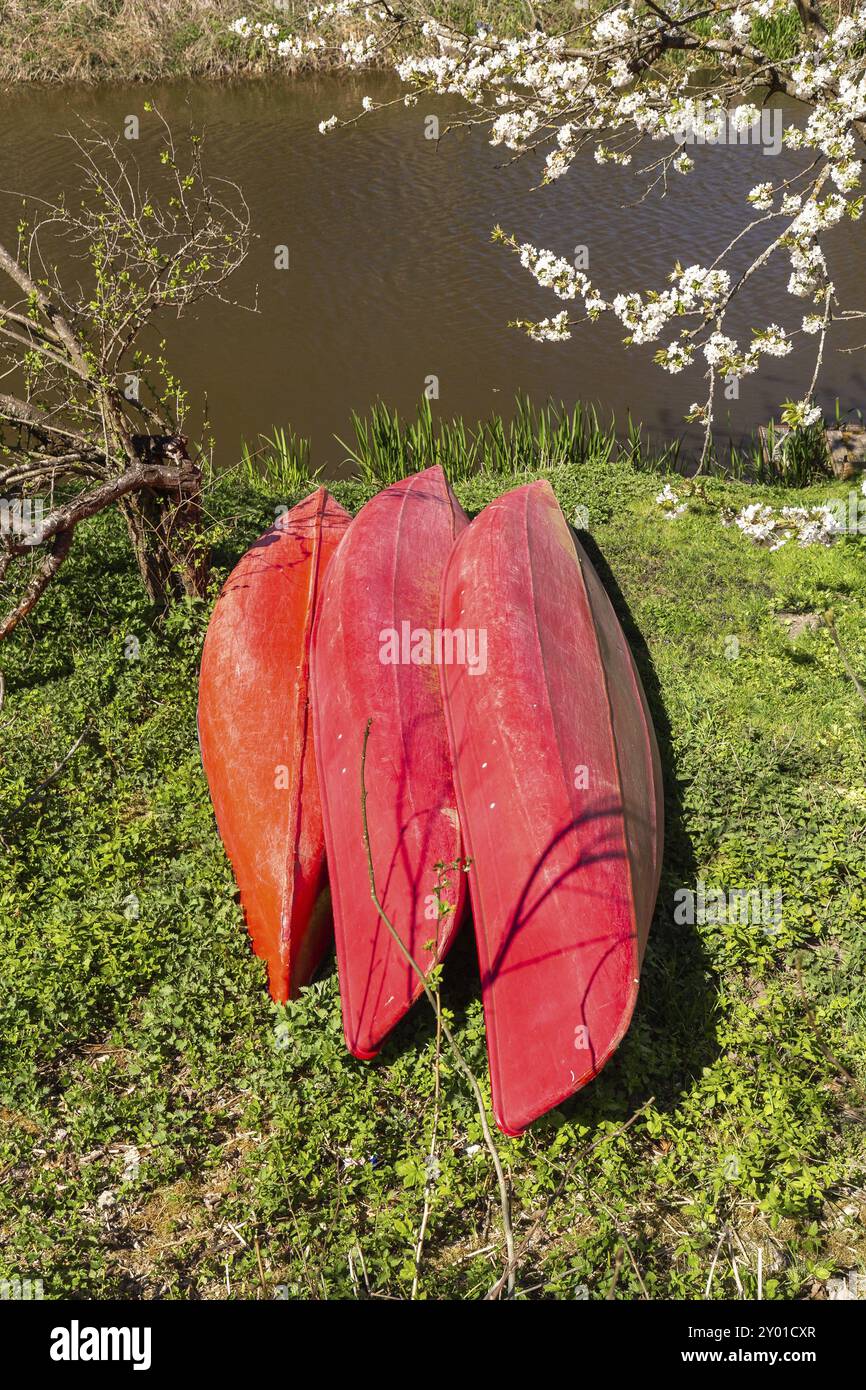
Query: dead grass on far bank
(94, 41)
(131, 40)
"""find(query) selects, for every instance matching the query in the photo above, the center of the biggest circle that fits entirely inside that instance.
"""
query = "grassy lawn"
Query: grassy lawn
(166, 1132)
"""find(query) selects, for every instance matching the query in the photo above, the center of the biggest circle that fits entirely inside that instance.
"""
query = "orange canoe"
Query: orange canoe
(256, 738)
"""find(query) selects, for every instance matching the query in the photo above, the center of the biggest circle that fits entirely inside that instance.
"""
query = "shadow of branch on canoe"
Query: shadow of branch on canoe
(672, 1034)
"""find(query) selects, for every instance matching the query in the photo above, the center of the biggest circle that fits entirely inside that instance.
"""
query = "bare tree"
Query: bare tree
(91, 415)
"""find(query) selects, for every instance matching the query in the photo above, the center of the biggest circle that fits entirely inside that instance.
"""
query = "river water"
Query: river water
(392, 276)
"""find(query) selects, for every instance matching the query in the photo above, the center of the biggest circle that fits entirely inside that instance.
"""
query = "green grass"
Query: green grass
(282, 458)
(134, 1016)
(794, 458)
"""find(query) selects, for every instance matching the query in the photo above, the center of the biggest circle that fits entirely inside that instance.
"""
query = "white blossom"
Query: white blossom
(762, 196)
(553, 330)
(819, 525)
(611, 99)
(671, 504)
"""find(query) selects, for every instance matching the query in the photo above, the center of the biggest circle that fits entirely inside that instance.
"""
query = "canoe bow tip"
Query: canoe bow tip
(434, 475)
(542, 488)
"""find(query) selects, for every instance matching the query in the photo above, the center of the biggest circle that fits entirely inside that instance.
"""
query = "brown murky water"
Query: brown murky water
(393, 278)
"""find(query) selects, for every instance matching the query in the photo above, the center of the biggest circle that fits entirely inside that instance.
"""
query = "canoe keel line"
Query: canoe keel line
(373, 649)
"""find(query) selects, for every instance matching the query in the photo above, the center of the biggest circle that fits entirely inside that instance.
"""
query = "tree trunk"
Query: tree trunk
(165, 527)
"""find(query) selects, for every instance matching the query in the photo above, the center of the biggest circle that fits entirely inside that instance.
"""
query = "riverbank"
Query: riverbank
(92, 41)
(166, 1132)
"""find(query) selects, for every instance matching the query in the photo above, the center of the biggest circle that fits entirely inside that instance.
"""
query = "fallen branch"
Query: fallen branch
(149, 481)
(60, 548)
(157, 477)
(617, 1267)
(52, 776)
(431, 1157)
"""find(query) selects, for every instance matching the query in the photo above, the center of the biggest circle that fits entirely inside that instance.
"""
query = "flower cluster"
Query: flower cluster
(271, 40)
(670, 502)
(807, 525)
(553, 330)
(801, 415)
(760, 523)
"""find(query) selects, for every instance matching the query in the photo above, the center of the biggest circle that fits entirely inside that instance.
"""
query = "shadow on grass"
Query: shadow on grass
(672, 1036)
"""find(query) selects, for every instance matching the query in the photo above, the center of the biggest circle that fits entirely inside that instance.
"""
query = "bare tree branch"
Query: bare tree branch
(58, 552)
(72, 430)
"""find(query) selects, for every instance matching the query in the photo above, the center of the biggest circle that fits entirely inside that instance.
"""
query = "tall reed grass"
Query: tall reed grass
(387, 448)
(282, 461)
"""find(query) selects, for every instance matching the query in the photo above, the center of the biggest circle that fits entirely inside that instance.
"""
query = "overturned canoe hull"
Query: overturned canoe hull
(559, 791)
(373, 659)
(255, 734)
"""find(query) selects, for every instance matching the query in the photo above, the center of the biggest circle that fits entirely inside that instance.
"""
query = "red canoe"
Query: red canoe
(559, 790)
(374, 651)
(256, 742)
